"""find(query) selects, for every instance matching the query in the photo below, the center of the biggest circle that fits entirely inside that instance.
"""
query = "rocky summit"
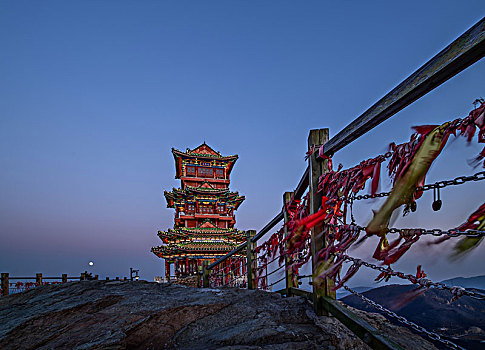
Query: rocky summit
(143, 315)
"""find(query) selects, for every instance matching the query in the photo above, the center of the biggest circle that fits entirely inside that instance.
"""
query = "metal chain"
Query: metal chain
(216, 275)
(218, 272)
(369, 196)
(304, 276)
(437, 232)
(230, 281)
(269, 262)
(272, 284)
(421, 231)
(279, 268)
(402, 319)
(423, 282)
(460, 180)
(235, 278)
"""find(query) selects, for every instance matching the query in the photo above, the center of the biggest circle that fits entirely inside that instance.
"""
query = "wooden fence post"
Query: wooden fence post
(205, 274)
(38, 278)
(64, 277)
(251, 260)
(316, 138)
(5, 285)
(287, 196)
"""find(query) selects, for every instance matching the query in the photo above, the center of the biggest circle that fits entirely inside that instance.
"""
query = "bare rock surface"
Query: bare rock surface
(143, 315)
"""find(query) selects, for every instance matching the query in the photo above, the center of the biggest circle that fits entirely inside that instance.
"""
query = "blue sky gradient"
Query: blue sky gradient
(95, 93)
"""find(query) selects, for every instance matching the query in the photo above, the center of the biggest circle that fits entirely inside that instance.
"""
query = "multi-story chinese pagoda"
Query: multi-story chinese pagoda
(204, 211)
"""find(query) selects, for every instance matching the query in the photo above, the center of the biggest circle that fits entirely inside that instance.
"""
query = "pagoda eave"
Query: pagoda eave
(170, 252)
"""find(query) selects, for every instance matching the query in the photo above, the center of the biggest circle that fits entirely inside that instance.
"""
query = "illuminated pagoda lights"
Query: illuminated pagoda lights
(204, 212)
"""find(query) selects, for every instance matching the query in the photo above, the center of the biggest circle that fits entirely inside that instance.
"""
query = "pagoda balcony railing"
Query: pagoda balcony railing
(205, 177)
(203, 215)
(200, 178)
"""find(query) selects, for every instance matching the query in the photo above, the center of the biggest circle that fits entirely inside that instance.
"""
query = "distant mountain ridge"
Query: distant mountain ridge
(466, 282)
(342, 293)
(463, 320)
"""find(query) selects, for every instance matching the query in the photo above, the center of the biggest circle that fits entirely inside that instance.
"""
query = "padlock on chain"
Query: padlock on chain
(413, 206)
(436, 199)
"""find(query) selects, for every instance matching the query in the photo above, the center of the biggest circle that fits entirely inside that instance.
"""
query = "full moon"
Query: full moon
(91, 263)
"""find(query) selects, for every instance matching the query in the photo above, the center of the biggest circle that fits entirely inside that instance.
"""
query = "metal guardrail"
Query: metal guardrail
(456, 57)
(5, 281)
(268, 227)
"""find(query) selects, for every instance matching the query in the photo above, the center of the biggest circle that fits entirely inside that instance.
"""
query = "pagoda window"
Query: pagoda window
(205, 172)
(220, 208)
(220, 173)
(206, 209)
(190, 171)
(190, 208)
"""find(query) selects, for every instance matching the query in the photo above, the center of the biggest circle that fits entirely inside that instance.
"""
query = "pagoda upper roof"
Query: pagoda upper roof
(204, 151)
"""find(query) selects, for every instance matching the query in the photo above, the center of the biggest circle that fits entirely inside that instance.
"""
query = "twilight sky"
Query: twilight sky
(95, 93)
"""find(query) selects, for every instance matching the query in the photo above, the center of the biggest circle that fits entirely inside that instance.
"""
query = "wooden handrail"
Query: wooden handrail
(268, 227)
(303, 184)
(456, 57)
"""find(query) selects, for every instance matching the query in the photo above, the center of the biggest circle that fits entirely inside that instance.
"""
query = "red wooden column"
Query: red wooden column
(186, 265)
(167, 270)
